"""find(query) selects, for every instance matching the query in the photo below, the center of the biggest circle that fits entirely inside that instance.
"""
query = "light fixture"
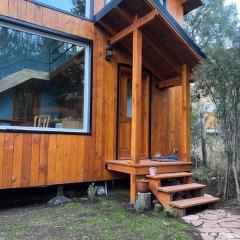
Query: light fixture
(109, 52)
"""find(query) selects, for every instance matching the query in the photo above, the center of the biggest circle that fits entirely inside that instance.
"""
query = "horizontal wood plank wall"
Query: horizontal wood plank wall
(31, 159)
(166, 120)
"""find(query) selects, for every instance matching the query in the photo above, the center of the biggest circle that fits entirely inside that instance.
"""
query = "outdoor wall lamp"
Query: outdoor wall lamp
(109, 52)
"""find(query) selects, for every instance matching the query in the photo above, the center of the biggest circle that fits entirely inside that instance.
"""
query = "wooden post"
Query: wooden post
(185, 128)
(133, 188)
(136, 141)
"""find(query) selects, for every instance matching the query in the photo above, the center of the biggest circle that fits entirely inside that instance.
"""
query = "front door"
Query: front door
(125, 114)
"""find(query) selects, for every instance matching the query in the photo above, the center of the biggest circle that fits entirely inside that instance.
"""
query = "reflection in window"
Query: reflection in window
(163, 2)
(79, 7)
(129, 98)
(43, 82)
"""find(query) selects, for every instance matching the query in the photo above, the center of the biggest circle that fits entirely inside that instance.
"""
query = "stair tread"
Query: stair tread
(180, 188)
(191, 202)
(170, 175)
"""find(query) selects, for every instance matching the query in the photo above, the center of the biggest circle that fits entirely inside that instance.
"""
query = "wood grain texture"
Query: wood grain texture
(176, 10)
(32, 159)
(166, 120)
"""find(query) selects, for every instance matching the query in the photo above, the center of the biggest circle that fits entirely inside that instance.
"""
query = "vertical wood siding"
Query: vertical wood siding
(166, 120)
(31, 159)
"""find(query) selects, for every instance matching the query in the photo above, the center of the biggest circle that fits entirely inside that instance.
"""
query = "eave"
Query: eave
(166, 46)
(190, 5)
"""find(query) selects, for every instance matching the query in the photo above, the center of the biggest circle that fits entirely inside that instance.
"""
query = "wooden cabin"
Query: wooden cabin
(97, 91)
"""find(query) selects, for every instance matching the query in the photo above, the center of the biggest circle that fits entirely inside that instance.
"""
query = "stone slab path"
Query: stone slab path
(216, 224)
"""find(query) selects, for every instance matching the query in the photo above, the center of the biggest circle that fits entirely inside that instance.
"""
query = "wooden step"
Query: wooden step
(181, 188)
(170, 175)
(191, 202)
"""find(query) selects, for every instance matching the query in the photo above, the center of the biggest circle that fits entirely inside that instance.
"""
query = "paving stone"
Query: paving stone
(213, 234)
(197, 223)
(209, 211)
(211, 217)
(221, 213)
(235, 230)
(230, 224)
(190, 218)
(211, 224)
(214, 230)
(206, 237)
(226, 236)
(231, 219)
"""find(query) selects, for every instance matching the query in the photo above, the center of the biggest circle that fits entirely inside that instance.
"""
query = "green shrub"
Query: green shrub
(92, 191)
(202, 174)
(169, 212)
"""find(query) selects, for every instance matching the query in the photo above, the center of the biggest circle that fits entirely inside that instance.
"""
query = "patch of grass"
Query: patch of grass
(104, 219)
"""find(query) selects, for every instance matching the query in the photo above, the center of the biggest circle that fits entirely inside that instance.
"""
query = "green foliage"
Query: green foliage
(92, 191)
(169, 212)
(139, 206)
(79, 7)
(202, 174)
(213, 25)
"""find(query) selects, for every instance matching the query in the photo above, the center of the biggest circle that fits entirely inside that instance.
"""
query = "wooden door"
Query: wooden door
(125, 115)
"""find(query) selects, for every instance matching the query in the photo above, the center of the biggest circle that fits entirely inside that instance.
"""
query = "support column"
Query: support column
(185, 123)
(133, 188)
(136, 97)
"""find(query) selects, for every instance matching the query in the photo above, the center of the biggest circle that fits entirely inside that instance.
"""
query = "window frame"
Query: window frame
(66, 37)
(89, 11)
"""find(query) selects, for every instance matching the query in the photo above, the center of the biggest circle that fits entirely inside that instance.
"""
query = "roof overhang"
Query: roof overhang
(190, 5)
(165, 43)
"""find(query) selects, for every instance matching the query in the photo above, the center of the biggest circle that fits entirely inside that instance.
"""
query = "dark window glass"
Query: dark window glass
(80, 7)
(44, 82)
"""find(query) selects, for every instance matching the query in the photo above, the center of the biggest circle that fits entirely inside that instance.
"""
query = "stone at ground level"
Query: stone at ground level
(211, 217)
(197, 223)
(206, 237)
(216, 224)
(214, 230)
(211, 224)
(190, 218)
(230, 225)
(227, 236)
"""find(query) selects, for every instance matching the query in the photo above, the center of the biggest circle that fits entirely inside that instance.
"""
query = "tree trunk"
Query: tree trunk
(236, 182)
(203, 140)
(204, 151)
(226, 181)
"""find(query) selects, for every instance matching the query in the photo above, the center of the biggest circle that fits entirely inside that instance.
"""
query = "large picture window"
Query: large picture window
(44, 82)
(78, 7)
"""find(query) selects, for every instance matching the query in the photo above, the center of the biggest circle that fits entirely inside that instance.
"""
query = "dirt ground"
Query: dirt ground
(109, 217)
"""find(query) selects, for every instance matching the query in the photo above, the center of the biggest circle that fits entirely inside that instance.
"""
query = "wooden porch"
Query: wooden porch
(141, 169)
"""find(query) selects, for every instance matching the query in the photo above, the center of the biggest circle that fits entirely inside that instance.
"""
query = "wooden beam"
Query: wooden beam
(136, 142)
(135, 25)
(146, 63)
(107, 27)
(163, 53)
(173, 82)
(124, 14)
(185, 121)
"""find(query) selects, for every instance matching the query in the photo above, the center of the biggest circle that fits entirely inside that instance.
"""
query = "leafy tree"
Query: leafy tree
(213, 25)
(219, 79)
(79, 7)
(215, 28)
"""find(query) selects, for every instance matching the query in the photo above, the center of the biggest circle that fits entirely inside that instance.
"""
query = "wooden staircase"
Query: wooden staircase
(182, 195)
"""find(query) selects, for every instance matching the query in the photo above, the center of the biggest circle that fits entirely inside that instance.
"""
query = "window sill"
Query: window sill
(40, 130)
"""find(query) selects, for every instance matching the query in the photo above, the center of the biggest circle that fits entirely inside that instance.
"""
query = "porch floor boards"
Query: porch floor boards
(142, 168)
